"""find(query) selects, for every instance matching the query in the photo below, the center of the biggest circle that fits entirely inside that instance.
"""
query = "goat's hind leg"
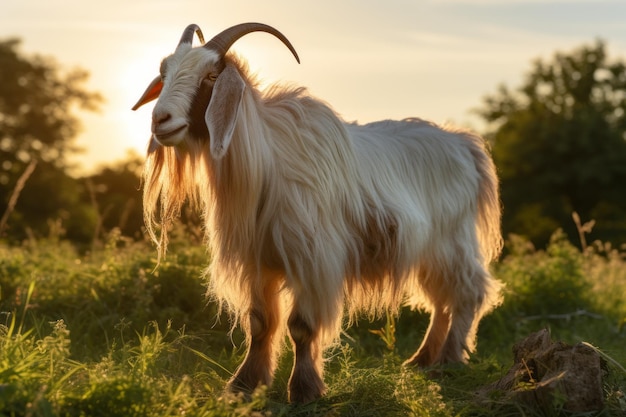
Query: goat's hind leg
(462, 290)
(476, 294)
(263, 340)
(434, 339)
(432, 283)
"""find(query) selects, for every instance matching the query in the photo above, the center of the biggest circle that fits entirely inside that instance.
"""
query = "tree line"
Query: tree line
(558, 141)
(38, 126)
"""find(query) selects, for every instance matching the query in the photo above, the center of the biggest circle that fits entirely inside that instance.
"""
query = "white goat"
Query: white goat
(306, 214)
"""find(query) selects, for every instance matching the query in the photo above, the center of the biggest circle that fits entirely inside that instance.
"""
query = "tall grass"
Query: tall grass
(104, 334)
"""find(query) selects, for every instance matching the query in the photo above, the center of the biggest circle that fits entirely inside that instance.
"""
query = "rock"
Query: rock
(545, 373)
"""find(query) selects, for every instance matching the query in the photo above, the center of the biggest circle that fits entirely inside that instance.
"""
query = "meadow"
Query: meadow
(101, 332)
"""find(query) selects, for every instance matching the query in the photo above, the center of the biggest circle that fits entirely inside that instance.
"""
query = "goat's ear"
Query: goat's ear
(151, 93)
(221, 114)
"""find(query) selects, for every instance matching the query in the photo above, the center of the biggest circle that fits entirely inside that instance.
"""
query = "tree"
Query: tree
(559, 142)
(114, 192)
(37, 122)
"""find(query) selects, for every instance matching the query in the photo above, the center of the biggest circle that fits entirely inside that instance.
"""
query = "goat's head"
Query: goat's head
(198, 92)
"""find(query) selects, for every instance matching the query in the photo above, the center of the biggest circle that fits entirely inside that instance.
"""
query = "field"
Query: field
(102, 333)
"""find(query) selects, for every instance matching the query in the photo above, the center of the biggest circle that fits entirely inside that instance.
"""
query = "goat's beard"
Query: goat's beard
(168, 181)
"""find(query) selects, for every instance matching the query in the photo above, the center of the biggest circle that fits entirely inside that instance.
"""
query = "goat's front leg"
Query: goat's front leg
(263, 340)
(306, 383)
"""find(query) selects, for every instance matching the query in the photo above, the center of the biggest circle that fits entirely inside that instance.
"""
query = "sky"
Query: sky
(370, 60)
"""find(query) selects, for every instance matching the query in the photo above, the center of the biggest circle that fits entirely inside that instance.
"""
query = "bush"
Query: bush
(544, 282)
(108, 294)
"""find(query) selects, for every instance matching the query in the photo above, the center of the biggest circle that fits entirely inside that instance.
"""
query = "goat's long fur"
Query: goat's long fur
(326, 215)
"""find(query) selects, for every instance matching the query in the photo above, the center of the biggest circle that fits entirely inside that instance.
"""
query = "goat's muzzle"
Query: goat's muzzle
(167, 130)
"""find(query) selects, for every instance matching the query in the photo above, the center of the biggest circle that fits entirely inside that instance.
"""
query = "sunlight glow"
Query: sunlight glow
(136, 77)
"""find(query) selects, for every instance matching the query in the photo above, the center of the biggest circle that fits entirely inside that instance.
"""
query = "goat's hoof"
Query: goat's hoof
(421, 359)
(239, 388)
(302, 392)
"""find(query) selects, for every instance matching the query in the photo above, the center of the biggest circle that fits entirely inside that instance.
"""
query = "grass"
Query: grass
(103, 334)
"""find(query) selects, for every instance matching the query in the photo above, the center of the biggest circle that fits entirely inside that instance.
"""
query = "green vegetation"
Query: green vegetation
(106, 334)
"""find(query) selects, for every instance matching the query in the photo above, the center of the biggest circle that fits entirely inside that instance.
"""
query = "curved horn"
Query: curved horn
(188, 34)
(224, 40)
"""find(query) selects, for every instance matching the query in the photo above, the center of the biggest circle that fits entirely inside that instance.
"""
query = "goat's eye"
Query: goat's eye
(211, 77)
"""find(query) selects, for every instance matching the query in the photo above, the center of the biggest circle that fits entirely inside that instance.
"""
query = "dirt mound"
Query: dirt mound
(546, 373)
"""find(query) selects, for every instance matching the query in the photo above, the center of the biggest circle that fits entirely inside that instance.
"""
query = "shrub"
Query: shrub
(544, 282)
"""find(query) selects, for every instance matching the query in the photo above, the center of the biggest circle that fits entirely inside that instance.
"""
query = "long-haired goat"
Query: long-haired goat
(306, 214)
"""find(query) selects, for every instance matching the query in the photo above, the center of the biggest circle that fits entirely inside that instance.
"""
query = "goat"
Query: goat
(308, 217)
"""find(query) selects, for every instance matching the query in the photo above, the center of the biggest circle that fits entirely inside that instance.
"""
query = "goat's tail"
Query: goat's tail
(489, 207)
